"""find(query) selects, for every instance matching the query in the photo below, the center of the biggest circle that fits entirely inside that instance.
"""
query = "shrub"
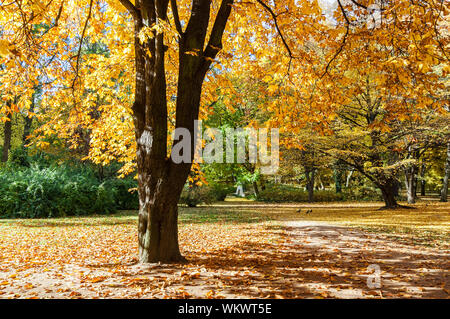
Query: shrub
(363, 193)
(192, 196)
(367, 193)
(219, 191)
(21, 157)
(207, 194)
(125, 199)
(286, 193)
(35, 192)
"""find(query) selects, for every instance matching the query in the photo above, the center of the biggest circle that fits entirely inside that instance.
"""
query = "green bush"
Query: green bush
(286, 193)
(219, 191)
(125, 199)
(36, 192)
(21, 157)
(207, 194)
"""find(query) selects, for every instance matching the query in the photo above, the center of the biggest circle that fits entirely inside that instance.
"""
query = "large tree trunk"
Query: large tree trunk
(7, 133)
(410, 184)
(349, 176)
(320, 184)
(158, 222)
(262, 183)
(388, 192)
(444, 191)
(160, 179)
(27, 129)
(310, 177)
(255, 188)
(411, 175)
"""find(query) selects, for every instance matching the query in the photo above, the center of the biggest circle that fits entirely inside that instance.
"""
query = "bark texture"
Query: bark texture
(422, 180)
(310, 178)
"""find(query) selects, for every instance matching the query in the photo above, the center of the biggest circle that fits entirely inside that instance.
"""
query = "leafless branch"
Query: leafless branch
(359, 4)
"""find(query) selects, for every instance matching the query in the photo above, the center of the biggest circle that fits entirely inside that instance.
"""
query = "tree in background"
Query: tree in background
(380, 78)
(237, 107)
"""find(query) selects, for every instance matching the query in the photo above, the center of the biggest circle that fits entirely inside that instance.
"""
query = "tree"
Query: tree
(429, 131)
(237, 107)
(338, 175)
(161, 180)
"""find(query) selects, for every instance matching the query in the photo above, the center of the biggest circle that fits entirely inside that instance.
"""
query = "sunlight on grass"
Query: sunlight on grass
(428, 224)
(206, 214)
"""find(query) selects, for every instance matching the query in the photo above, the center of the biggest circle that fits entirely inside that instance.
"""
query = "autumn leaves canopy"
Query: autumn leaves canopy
(315, 57)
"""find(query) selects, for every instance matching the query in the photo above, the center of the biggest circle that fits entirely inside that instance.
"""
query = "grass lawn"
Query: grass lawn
(235, 249)
(428, 224)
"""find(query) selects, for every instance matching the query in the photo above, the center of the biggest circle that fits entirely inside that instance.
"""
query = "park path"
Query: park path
(369, 259)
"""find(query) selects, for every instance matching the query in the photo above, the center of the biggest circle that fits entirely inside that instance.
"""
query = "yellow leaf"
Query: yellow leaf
(4, 48)
(272, 88)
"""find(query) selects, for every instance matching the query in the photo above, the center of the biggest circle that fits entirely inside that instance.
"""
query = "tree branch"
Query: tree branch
(176, 17)
(274, 17)
(359, 4)
(215, 39)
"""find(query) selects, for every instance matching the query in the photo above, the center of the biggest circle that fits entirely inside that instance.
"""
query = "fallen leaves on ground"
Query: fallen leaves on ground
(95, 257)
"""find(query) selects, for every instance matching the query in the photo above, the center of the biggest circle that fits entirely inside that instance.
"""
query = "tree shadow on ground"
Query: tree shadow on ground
(308, 262)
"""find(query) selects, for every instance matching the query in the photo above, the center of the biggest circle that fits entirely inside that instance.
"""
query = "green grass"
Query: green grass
(187, 215)
(220, 215)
